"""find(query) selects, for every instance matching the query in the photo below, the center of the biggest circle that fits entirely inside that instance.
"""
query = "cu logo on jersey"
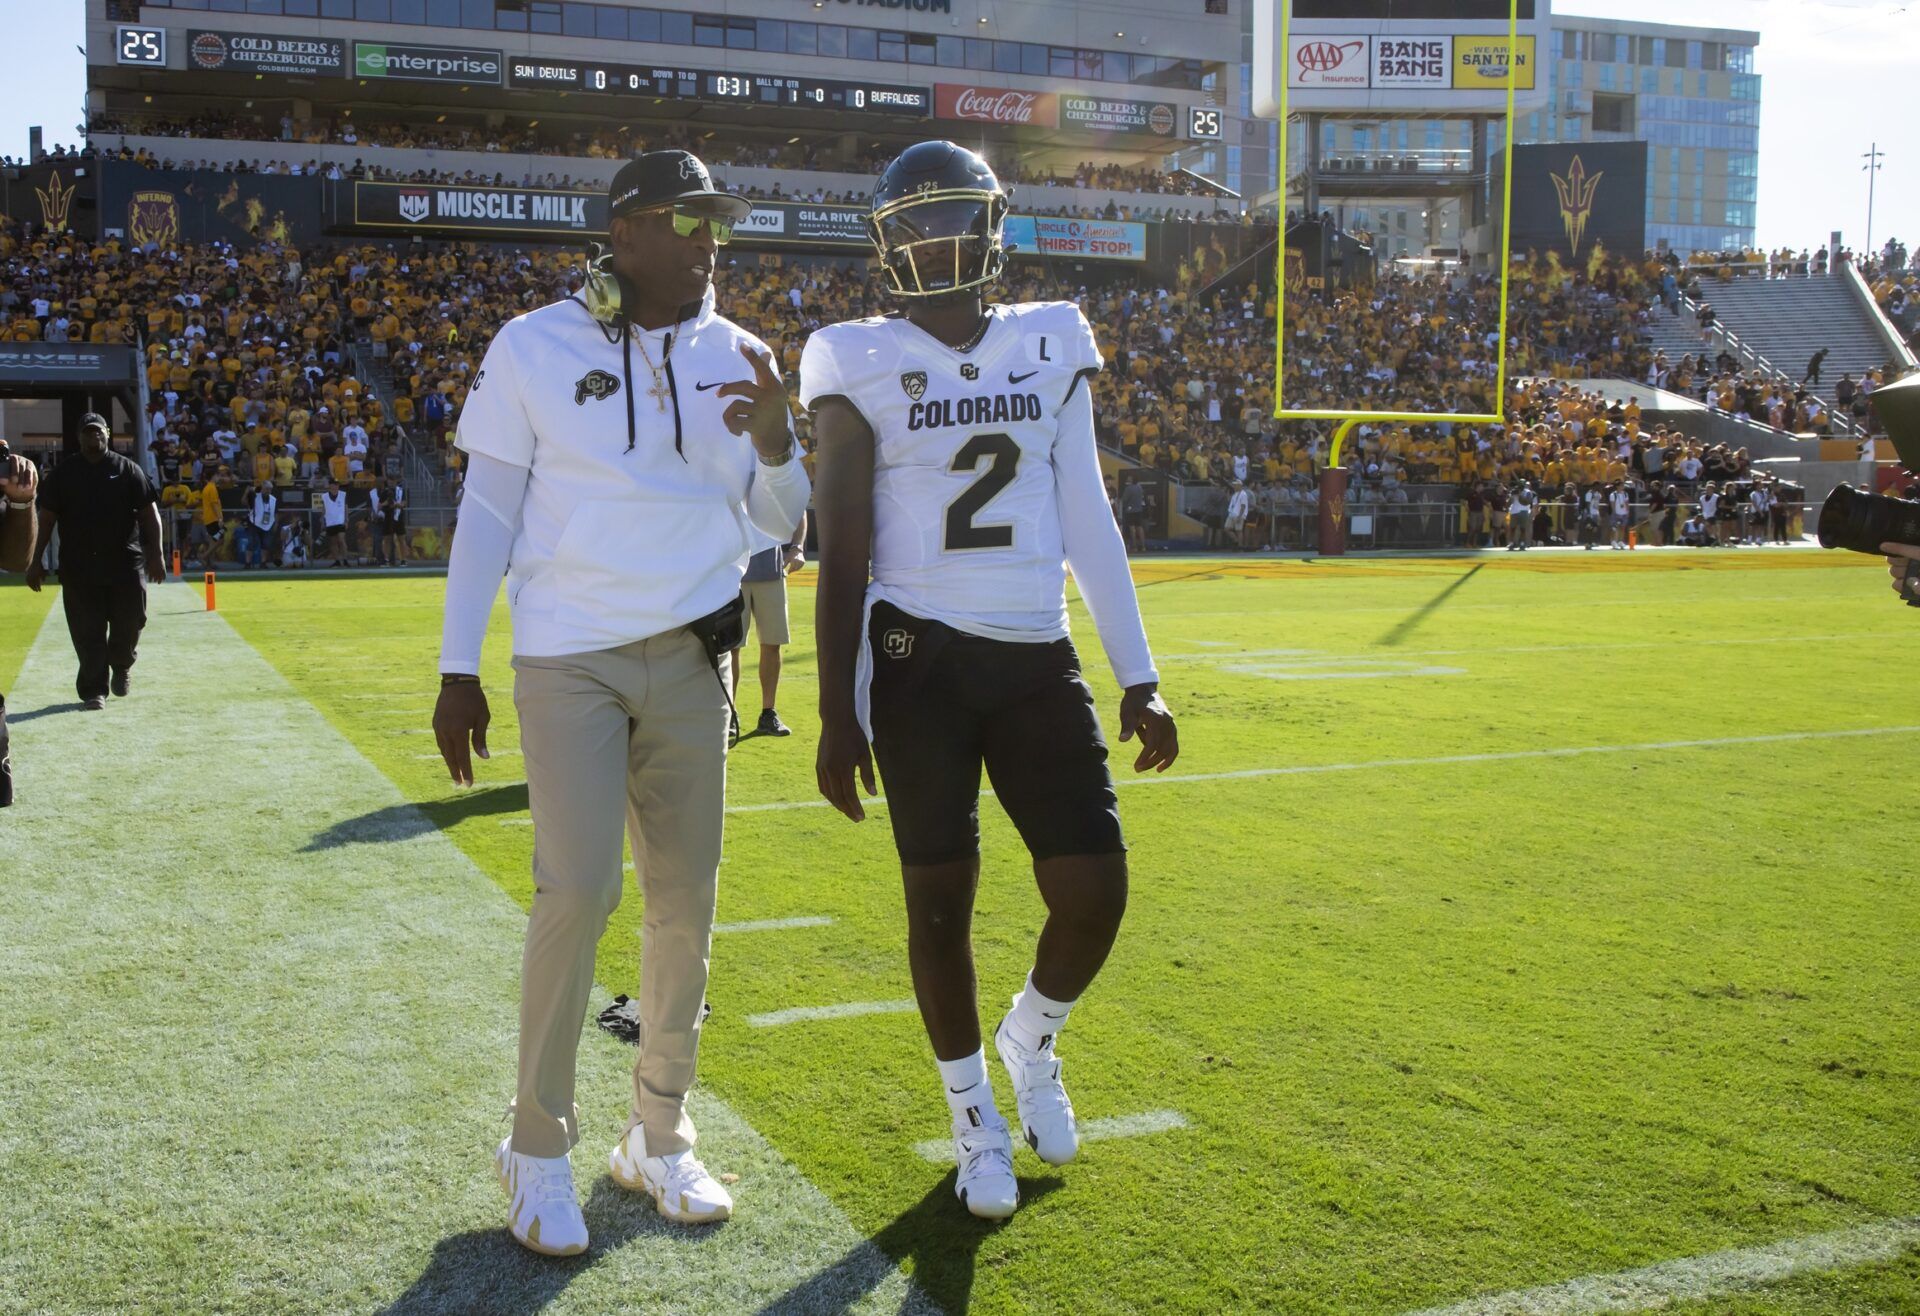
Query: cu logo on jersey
(968, 370)
(914, 382)
(595, 384)
(897, 643)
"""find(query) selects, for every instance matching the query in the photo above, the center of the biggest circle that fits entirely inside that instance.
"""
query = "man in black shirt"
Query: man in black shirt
(109, 521)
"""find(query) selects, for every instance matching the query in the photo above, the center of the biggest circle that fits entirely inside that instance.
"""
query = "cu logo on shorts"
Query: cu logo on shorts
(897, 643)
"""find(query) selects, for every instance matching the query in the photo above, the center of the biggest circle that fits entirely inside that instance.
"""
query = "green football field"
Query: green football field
(1513, 935)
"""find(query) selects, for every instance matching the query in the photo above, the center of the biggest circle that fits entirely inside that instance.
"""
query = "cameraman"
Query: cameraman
(1900, 558)
(19, 480)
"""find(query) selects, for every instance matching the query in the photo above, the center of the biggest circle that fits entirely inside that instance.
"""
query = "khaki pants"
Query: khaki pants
(641, 729)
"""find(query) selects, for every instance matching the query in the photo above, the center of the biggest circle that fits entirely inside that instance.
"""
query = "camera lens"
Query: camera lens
(1863, 521)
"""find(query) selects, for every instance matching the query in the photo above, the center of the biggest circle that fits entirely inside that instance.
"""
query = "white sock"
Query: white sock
(969, 1095)
(1036, 1018)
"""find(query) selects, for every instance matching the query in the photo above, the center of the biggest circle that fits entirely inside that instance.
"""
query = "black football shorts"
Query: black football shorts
(944, 703)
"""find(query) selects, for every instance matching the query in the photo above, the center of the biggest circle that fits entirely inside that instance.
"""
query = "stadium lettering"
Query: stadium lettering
(996, 106)
(569, 210)
(922, 6)
(481, 205)
(997, 409)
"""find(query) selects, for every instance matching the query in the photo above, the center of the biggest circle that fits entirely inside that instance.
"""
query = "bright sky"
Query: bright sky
(1838, 74)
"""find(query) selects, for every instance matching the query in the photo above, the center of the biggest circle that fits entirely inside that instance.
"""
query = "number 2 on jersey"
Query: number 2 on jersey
(1002, 455)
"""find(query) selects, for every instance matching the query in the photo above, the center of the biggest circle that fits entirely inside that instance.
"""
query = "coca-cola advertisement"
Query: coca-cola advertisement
(1025, 109)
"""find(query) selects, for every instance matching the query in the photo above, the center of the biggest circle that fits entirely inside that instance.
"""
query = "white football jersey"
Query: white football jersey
(966, 524)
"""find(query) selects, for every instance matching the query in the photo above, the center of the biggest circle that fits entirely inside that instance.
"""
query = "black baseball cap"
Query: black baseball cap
(676, 178)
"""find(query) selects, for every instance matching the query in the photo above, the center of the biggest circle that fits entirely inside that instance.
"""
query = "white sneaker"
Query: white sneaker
(1046, 1113)
(545, 1211)
(985, 1184)
(679, 1184)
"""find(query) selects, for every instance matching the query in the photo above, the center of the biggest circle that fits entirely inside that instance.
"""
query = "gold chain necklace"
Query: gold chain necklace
(659, 392)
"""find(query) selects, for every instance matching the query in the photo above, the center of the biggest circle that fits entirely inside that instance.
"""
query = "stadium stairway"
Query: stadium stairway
(1787, 320)
(426, 473)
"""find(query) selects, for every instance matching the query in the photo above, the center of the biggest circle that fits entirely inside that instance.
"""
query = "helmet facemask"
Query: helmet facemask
(941, 241)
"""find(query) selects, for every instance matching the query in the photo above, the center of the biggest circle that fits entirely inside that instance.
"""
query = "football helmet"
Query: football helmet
(939, 221)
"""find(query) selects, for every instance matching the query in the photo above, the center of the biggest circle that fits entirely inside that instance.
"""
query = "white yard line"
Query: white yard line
(808, 1013)
(1315, 655)
(279, 950)
(1309, 769)
(940, 1150)
(776, 924)
(1693, 1278)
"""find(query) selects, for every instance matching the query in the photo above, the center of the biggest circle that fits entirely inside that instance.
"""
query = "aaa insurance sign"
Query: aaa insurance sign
(1359, 62)
(1339, 61)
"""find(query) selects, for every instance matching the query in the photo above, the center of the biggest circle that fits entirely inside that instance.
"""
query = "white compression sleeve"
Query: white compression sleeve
(489, 520)
(1095, 551)
(777, 497)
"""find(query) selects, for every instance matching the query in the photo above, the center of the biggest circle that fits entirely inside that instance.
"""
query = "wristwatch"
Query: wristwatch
(782, 459)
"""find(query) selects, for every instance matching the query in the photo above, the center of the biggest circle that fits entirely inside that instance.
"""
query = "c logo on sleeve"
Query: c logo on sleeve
(595, 384)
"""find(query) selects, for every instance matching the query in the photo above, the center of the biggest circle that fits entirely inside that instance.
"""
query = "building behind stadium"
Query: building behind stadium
(1690, 93)
(805, 95)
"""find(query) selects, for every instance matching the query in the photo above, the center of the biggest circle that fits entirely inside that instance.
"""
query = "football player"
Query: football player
(958, 481)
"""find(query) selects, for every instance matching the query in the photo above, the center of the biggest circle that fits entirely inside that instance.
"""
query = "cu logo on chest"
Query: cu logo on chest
(968, 370)
(595, 384)
(897, 643)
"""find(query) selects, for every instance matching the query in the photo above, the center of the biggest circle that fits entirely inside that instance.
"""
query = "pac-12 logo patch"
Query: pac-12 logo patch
(897, 643)
(595, 384)
(968, 370)
(914, 382)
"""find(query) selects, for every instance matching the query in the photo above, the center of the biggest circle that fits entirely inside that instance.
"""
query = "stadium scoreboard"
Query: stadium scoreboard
(140, 45)
(526, 73)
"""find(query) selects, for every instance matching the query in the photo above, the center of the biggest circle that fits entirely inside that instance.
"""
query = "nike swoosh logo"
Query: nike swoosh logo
(1045, 1015)
(1017, 379)
(701, 388)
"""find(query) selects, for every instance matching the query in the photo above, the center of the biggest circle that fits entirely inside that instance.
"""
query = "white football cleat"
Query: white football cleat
(679, 1184)
(985, 1184)
(544, 1211)
(1046, 1113)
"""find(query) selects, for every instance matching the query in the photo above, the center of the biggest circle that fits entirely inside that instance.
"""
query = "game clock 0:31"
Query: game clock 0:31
(139, 45)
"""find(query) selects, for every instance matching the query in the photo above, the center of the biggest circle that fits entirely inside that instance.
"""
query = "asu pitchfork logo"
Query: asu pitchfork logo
(55, 202)
(1577, 192)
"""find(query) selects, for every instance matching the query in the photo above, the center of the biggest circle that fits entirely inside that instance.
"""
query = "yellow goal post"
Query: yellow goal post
(1349, 419)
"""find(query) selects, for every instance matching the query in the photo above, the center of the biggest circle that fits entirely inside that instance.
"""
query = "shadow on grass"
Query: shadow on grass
(400, 822)
(1402, 630)
(935, 1233)
(15, 719)
(484, 1272)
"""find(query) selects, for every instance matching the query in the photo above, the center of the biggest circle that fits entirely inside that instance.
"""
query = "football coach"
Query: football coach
(108, 515)
(621, 441)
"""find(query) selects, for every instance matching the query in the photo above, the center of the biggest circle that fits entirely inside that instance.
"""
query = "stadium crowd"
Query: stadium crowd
(257, 390)
(799, 154)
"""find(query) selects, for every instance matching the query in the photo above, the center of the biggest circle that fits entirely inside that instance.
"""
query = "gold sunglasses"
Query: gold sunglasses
(686, 225)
